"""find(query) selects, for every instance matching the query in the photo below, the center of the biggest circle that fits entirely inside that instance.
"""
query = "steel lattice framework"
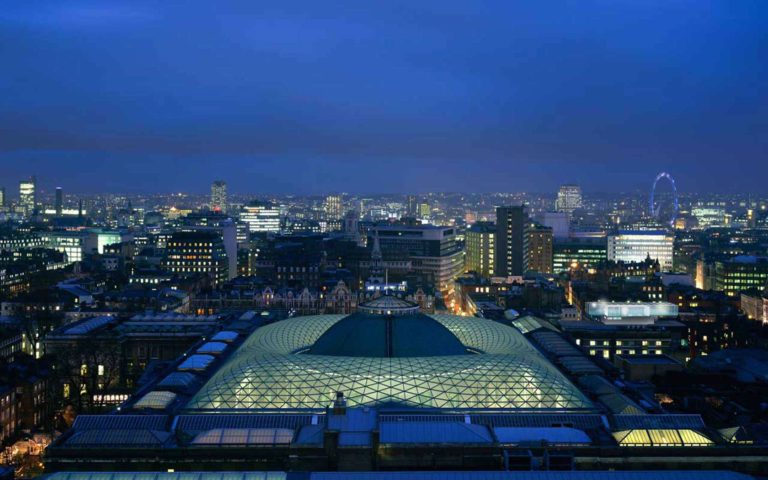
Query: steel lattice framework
(654, 209)
(270, 372)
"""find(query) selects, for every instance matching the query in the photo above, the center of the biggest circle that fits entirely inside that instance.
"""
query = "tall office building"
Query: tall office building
(333, 207)
(708, 217)
(480, 248)
(573, 253)
(2, 197)
(59, 202)
(412, 206)
(568, 198)
(425, 211)
(261, 217)
(741, 273)
(219, 196)
(197, 252)
(433, 252)
(539, 254)
(637, 245)
(28, 196)
(511, 240)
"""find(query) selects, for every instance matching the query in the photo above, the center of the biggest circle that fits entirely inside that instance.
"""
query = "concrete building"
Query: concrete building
(74, 243)
(511, 240)
(754, 304)
(434, 252)
(559, 222)
(58, 205)
(628, 329)
(637, 245)
(539, 255)
(575, 253)
(481, 248)
(741, 273)
(197, 252)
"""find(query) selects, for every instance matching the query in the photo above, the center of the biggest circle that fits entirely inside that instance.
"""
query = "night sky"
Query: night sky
(362, 96)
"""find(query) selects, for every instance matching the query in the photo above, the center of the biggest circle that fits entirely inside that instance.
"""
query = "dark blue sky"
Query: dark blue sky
(364, 96)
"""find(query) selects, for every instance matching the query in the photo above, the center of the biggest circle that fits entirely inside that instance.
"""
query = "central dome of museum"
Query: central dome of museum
(388, 327)
(387, 355)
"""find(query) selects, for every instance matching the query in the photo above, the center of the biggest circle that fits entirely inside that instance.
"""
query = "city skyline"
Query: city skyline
(47, 186)
(312, 99)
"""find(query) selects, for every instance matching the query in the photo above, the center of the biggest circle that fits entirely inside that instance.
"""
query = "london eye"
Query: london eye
(664, 207)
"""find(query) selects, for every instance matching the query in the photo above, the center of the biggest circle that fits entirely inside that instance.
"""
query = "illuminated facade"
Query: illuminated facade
(576, 253)
(199, 252)
(568, 198)
(637, 246)
(480, 248)
(333, 207)
(629, 311)
(74, 244)
(741, 273)
(261, 217)
(708, 217)
(28, 196)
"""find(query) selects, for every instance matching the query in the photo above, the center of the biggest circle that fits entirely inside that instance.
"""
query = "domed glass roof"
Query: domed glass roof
(389, 305)
(277, 368)
(368, 335)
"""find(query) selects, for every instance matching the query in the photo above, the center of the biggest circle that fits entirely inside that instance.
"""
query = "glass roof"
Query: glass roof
(389, 305)
(662, 438)
(157, 400)
(367, 335)
(268, 373)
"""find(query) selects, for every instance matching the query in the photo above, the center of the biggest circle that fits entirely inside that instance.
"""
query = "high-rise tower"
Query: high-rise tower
(511, 240)
(28, 196)
(333, 207)
(219, 196)
(59, 201)
(568, 198)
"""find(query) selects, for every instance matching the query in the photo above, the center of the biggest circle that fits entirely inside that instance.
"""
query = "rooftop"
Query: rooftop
(397, 362)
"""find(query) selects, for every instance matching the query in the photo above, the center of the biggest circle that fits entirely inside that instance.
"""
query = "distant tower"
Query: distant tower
(425, 211)
(332, 207)
(219, 196)
(28, 196)
(2, 197)
(352, 227)
(59, 203)
(412, 207)
(511, 240)
(568, 199)
(376, 272)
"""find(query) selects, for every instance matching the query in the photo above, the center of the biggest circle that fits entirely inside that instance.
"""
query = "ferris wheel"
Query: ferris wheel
(655, 206)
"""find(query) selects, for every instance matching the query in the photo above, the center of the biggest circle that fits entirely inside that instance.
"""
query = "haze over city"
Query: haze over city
(308, 97)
